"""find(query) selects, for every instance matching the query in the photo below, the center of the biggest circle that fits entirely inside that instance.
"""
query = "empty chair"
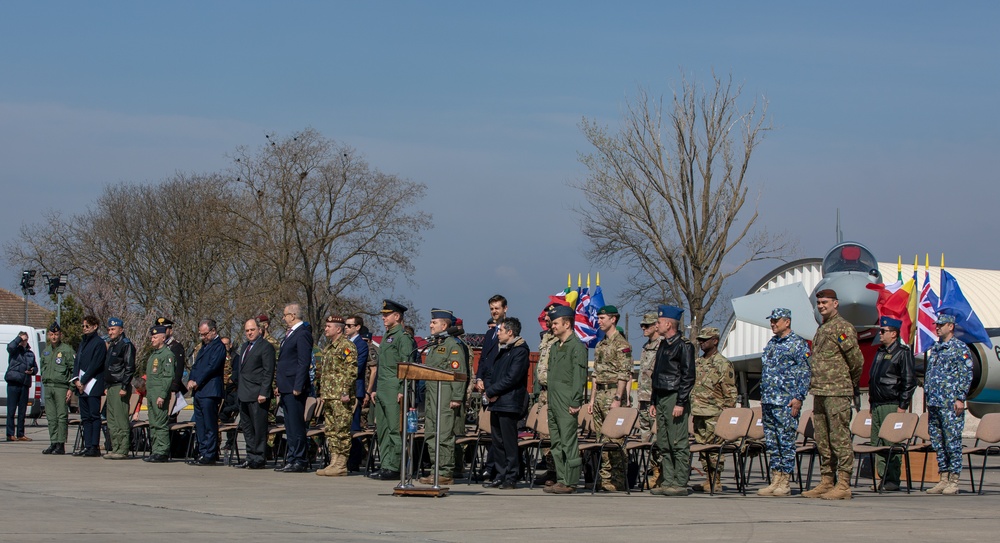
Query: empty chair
(615, 431)
(897, 429)
(731, 428)
(987, 444)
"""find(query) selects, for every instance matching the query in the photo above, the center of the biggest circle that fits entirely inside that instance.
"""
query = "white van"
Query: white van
(36, 338)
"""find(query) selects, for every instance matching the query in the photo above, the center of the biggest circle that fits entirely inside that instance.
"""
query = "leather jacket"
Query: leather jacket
(891, 379)
(674, 369)
(119, 366)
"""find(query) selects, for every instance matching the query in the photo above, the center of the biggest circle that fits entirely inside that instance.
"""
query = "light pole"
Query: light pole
(57, 285)
(27, 287)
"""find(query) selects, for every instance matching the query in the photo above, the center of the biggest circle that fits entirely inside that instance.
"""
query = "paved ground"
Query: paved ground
(90, 499)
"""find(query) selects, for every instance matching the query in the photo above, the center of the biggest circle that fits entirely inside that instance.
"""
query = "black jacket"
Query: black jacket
(253, 372)
(180, 362)
(90, 361)
(509, 378)
(119, 365)
(21, 360)
(673, 370)
(891, 379)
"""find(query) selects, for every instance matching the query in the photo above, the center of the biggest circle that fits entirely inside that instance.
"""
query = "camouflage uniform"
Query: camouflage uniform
(272, 410)
(948, 377)
(447, 355)
(160, 369)
(336, 370)
(714, 390)
(366, 414)
(612, 364)
(836, 365)
(542, 387)
(785, 376)
(57, 369)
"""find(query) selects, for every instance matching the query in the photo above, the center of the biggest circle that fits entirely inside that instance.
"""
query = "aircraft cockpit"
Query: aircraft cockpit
(851, 257)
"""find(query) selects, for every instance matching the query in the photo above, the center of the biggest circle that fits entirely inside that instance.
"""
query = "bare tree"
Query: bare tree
(666, 193)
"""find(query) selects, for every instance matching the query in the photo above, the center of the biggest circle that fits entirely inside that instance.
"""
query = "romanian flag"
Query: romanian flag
(894, 301)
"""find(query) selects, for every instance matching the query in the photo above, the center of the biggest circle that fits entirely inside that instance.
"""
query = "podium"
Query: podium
(418, 372)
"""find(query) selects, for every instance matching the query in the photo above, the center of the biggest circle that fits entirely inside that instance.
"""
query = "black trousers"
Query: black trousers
(505, 454)
(253, 424)
(295, 427)
(90, 420)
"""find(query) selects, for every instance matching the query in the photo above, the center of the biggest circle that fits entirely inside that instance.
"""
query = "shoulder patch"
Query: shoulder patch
(626, 350)
(454, 364)
(441, 350)
(842, 337)
(388, 340)
(347, 351)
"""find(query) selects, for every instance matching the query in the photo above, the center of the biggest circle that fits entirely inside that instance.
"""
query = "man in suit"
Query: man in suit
(253, 373)
(352, 328)
(206, 383)
(292, 371)
(88, 379)
(491, 347)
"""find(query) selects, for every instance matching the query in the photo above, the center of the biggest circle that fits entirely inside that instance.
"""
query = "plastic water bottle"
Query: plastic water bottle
(411, 421)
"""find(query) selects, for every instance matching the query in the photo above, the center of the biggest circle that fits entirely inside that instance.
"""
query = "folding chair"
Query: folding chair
(754, 446)
(897, 429)
(806, 446)
(922, 433)
(139, 440)
(618, 425)
(987, 432)
(639, 453)
(481, 439)
(732, 428)
(538, 424)
(861, 432)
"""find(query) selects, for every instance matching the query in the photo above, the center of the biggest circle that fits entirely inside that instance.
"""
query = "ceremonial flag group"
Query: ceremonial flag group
(586, 304)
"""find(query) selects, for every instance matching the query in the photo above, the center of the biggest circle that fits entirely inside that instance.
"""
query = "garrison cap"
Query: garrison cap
(443, 314)
(157, 330)
(165, 322)
(115, 321)
(827, 293)
(608, 310)
(780, 313)
(890, 322)
(708, 332)
(336, 319)
(561, 311)
(945, 319)
(389, 306)
(648, 319)
(670, 312)
(54, 327)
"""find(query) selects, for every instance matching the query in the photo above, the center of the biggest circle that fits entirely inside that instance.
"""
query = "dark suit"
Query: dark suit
(253, 372)
(90, 360)
(293, 375)
(509, 388)
(207, 373)
(491, 345)
(359, 384)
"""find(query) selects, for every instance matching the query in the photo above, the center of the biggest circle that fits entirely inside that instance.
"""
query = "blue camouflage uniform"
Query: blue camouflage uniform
(784, 376)
(948, 377)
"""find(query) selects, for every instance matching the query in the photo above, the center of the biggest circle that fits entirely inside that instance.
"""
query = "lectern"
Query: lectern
(419, 372)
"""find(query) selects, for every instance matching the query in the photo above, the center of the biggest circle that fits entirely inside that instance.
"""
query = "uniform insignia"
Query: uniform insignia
(454, 352)
(627, 350)
(156, 365)
(347, 352)
(442, 350)
(454, 364)
(58, 355)
(841, 338)
(389, 340)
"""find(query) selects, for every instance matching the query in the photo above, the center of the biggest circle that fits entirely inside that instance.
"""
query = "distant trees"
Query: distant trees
(301, 218)
(665, 194)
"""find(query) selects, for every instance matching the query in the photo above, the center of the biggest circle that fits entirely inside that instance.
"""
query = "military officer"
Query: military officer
(180, 361)
(567, 377)
(397, 346)
(673, 379)
(57, 369)
(160, 367)
(336, 371)
(444, 352)
(612, 370)
(714, 390)
(119, 367)
(946, 383)
(784, 383)
(644, 392)
(890, 386)
(835, 367)
(541, 385)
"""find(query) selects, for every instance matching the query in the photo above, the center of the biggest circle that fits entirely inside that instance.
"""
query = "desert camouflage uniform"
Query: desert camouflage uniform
(949, 375)
(785, 376)
(612, 363)
(836, 365)
(336, 370)
(714, 390)
(272, 410)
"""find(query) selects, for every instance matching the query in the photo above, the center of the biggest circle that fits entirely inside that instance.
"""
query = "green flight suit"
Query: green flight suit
(57, 369)
(567, 378)
(396, 347)
(159, 376)
(449, 355)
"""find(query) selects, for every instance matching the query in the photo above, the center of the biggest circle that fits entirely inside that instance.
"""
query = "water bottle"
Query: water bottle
(411, 421)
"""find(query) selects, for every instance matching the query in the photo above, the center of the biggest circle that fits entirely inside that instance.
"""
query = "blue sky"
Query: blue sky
(885, 110)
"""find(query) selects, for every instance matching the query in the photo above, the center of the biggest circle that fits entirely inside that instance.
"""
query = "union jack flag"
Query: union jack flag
(926, 315)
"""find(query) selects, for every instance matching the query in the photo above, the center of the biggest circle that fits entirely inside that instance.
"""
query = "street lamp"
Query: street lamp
(57, 285)
(27, 287)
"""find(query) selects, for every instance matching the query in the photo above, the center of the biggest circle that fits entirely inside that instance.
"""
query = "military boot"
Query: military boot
(843, 489)
(823, 487)
(942, 484)
(337, 467)
(782, 489)
(328, 471)
(769, 489)
(952, 488)
(655, 478)
(52, 447)
(60, 449)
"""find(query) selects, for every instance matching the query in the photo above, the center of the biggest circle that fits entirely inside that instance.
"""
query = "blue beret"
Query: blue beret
(115, 321)
(157, 330)
(945, 319)
(561, 311)
(389, 306)
(670, 312)
(780, 313)
(442, 314)
(890, 322)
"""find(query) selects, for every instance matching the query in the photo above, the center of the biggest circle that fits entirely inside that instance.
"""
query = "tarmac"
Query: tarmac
(49, 498)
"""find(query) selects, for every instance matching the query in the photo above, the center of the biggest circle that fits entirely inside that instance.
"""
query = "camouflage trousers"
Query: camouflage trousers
(890, 473)
(337, 418)
(704, 432)
(543, 400)
(945, 429)
(832, 427)
(780, 428)
(613, 462)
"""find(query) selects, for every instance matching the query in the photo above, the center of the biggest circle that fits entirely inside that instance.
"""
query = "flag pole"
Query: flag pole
(899, 268)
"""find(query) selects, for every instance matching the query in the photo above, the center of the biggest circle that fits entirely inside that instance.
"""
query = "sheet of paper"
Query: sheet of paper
(179, 403)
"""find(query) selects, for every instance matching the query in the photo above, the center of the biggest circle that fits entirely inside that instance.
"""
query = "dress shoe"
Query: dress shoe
(202, 461)
(385, 475)
(92, 452)
(294, 467)
(507, 485)
(493, 484)
(79, 452)
(11, 438)
(156, 458)
(51, 449)
(242, 465)
(545, 478)
(282, 467)
(257, 465)
(24, 438)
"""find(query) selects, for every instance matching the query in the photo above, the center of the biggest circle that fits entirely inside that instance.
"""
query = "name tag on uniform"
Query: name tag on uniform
(868, 422)
(734, 420)
(897, 426)
(619, 422)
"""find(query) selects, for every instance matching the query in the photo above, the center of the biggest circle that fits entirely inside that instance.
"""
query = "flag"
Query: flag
(893, 301)
(968, 327)
(585, 330)
(911, 308)
(926, 315)
(558, 298)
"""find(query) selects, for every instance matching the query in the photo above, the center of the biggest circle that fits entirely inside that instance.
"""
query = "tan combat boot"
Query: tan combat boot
(655, 478)
(843, 489)
(337, 467)
(952, 488)
(823, 487)
(769, 489)
(942, 484)
(783, 489)
(707, 485)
